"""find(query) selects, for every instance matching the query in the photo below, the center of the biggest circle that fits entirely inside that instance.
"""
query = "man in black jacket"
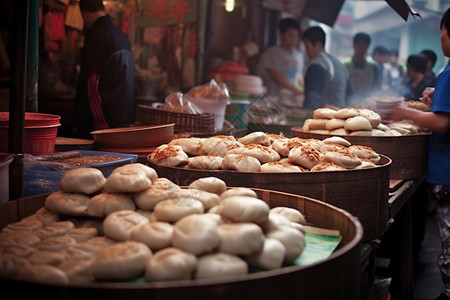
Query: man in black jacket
(105, 91)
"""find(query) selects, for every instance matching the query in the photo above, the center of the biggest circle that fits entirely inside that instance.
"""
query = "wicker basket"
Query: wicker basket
(338, 275)
(362, 192)
(192, 123)
(408, 162)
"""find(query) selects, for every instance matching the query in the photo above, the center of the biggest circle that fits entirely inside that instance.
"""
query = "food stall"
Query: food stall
(342, 266)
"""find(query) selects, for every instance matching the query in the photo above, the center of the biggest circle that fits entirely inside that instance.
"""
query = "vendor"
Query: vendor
(105, 91)
(281, 66)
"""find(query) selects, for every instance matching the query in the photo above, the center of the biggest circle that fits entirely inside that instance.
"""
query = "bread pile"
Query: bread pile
(134, 224)
(353, 121)
(262, 152)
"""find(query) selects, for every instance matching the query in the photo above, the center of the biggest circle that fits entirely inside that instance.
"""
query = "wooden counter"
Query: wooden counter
(398, 238)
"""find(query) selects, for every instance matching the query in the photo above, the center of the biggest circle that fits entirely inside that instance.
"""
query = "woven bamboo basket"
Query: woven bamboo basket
(337, 277)
(363, 192)
(407, 152)
(184, 122)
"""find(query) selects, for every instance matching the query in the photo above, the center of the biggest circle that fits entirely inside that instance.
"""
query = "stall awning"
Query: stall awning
(403, 8)
(326, 11)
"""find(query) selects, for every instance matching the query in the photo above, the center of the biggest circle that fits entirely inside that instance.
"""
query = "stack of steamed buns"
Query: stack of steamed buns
(353, 121)
(263, 152)
(134, 224)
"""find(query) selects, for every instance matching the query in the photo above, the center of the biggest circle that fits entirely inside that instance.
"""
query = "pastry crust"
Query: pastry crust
(241, 163)
(169, 156)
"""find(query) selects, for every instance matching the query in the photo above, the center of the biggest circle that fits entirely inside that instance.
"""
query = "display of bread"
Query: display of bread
(354, 121)
(278, 154)
(165, 232)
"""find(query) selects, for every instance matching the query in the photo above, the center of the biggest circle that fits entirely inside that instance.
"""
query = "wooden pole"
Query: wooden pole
(17, 96)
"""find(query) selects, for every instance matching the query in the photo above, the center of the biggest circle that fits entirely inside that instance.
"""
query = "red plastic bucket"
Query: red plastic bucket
(40, 132)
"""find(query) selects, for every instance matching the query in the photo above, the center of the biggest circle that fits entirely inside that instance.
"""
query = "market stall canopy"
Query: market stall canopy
(315, 9)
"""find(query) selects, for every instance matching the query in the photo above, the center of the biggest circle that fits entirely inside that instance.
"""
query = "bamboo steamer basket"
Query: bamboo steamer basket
(364, 192)
(336, 277)
(407, 152)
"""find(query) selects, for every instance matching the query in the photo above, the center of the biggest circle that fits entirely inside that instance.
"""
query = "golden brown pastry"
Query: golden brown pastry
(169, 156)
(305, 156)
(241, 163)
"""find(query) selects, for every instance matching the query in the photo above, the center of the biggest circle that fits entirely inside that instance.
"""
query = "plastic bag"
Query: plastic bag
(211, 90)
(51, 162)
(177, 102)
